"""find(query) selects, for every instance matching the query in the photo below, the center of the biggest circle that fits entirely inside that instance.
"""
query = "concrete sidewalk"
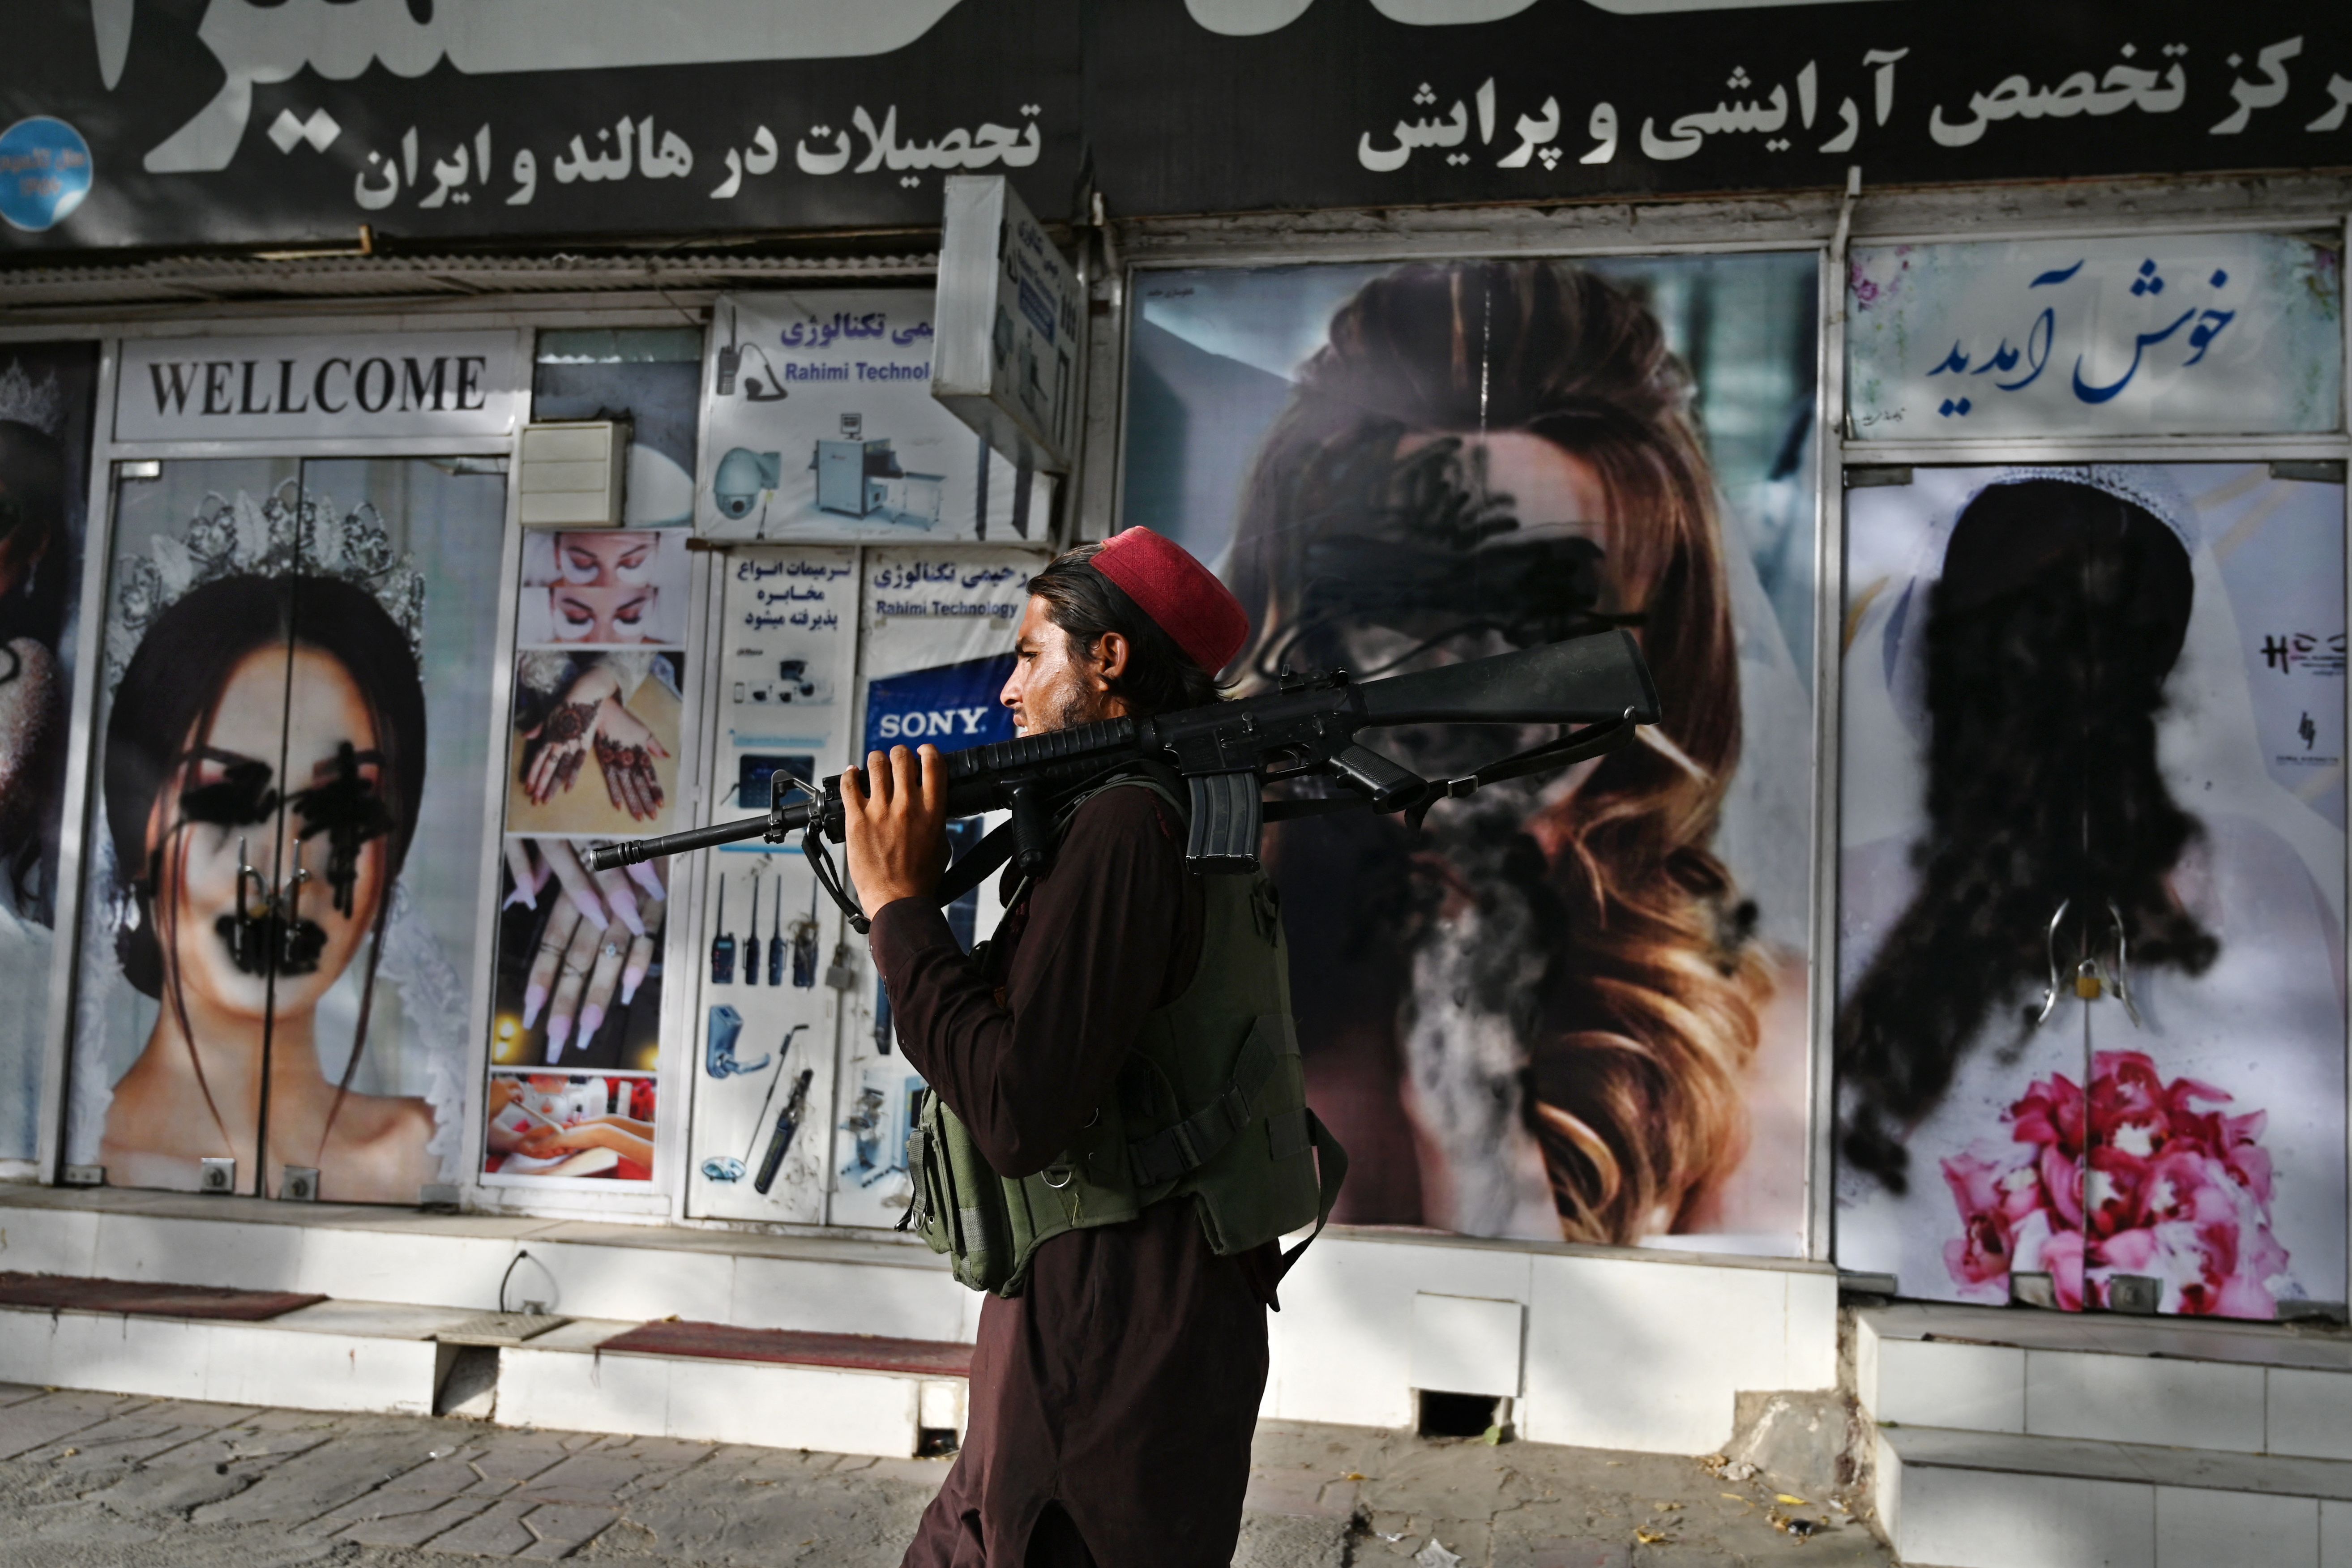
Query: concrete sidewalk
(89, 1478)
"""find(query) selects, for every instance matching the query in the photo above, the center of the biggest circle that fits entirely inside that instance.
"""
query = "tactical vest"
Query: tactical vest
(1210, 1105)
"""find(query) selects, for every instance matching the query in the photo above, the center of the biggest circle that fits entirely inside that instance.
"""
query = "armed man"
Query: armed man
(1118, 1131)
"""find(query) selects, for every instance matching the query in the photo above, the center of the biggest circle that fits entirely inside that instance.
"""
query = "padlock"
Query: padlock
(2087, 981)
(841, 973)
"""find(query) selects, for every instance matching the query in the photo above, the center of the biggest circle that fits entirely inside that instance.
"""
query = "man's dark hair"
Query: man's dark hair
(1159, 677)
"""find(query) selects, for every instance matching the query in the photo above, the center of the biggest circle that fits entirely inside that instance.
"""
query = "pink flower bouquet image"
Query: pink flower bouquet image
(2174, 1187)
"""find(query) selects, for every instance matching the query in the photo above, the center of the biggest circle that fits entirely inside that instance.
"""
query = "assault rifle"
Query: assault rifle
(1595, 687)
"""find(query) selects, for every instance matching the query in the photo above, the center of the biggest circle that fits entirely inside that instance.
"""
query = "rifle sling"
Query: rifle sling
(973, 866)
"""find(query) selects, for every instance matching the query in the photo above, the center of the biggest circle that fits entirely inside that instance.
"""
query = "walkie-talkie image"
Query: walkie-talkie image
(804, 928)
(780, 1142)
(775, 939)
(752, 940)
(722, 946)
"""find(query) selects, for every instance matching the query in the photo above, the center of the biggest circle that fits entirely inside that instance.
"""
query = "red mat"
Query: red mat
(131, 1296)
(866, 1352)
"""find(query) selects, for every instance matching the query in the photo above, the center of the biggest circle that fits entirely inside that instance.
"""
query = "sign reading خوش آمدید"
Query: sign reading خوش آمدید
(407, 384)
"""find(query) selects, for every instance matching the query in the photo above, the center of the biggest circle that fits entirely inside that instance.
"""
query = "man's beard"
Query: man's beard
(1079, 706)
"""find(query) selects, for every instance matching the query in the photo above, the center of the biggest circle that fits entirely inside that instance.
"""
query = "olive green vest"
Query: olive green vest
(1211, 1105)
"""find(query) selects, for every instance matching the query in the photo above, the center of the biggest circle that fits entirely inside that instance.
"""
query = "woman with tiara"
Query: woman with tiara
(263, 766)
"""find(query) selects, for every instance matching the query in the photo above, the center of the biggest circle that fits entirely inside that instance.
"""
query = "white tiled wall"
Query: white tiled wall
(710, 1401)
(2238, 1407)
(2334, 1534)
(2198, 1528)
(849, 1299)
(2309, 1413)
(49, 1241)
(1979, 1388)
(1958, 1516)
(1625, 1353)
(234, 1363)
(2141, 1399)
(1620, 1351)
(1995, 1519)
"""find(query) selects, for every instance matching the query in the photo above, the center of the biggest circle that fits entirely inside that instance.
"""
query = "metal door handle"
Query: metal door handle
(2121, 980)
(2050, 993)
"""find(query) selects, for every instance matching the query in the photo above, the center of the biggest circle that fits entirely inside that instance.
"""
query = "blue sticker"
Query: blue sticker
(950, 706)
(44, 172)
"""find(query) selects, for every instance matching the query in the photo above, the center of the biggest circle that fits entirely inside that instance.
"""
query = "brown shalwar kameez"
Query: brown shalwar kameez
(1112, 1402)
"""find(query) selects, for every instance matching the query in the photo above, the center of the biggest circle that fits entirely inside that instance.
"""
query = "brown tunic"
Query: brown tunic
(1114, 1399)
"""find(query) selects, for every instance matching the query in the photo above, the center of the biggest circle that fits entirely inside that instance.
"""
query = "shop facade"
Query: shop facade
(1970, 934)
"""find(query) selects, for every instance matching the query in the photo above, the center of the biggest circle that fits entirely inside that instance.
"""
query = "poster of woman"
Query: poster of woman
(2091, 1022)
(296, 659)
(45, 408)
(1577, 1009)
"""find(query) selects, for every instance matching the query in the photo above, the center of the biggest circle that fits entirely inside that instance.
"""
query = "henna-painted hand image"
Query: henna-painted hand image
(561, 745)
(590, 714)
(629, 776)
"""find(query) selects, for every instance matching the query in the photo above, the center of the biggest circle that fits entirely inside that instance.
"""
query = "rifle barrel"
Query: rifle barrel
(613, 857)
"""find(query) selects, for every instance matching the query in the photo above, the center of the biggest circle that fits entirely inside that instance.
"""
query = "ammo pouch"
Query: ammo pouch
(1211, 1104)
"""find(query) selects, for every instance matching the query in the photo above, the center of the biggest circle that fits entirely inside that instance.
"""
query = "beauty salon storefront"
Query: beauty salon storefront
(1970, 934)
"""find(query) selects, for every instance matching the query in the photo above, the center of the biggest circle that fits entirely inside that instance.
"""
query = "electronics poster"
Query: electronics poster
(770, 957)
(1645, 455)
(939, 632)
(46, 393)
(576, 1006)
(2091, 995)
(821, 428)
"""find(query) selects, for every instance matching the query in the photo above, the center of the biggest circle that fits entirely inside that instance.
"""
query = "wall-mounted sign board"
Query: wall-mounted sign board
(1006, 360)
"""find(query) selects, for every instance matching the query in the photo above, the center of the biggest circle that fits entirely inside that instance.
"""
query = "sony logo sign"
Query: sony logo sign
(939, 722)
(408, 383)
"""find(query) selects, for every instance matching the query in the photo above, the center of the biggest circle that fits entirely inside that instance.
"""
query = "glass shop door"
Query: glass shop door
(2091, 1035)
(294, 708)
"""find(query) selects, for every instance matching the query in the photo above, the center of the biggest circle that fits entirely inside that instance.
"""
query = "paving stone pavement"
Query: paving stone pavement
(91, 1479)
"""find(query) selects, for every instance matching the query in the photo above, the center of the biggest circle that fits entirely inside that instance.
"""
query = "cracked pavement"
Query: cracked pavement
(88, 1479)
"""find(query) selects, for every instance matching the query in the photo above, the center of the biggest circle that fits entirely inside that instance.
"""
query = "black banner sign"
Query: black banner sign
(239, 122)
(1374, 102)
(156, 123)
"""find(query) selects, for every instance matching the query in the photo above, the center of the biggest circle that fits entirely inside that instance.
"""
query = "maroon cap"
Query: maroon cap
(1182, 597)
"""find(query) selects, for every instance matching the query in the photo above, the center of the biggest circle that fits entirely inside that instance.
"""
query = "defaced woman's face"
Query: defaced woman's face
(1554, 494)
(322, 714)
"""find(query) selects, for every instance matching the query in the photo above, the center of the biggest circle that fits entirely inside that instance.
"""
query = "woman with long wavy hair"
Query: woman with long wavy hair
(1563, 978)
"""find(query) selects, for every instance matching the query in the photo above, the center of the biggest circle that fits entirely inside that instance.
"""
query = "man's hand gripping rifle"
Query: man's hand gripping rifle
(1595, 687)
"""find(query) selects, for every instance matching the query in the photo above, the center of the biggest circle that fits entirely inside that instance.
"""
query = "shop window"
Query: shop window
(1522, 1022)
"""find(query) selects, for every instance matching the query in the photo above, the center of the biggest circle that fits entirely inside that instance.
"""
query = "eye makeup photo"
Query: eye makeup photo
(623, 615)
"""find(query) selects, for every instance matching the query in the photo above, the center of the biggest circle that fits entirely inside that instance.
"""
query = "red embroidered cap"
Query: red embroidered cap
(1182, 597)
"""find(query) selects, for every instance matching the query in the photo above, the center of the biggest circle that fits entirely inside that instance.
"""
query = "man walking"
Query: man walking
(1121, 1057)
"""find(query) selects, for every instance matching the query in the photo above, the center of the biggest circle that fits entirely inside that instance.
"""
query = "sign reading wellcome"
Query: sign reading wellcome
(243, 389)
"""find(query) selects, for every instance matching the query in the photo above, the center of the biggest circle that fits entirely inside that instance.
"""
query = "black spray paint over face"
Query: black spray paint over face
(269, 928)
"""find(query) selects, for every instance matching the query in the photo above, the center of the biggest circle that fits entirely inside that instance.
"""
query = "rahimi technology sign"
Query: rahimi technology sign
(361, 384)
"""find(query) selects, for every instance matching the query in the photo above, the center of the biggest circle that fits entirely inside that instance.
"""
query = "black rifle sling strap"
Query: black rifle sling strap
(1331, 1170)
(972, 866)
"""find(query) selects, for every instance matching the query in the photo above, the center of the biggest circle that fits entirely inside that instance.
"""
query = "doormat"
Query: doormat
(863, 1352)
(146, 1299)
